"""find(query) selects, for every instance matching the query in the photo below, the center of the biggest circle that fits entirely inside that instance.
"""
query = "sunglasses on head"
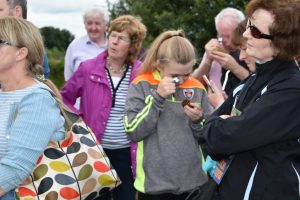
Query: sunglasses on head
(256, 33)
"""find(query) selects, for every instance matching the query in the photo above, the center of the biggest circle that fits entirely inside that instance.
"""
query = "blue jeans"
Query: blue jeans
(121, 161)
(9, 196)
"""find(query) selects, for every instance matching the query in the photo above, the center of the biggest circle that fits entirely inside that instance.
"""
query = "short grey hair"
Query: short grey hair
(23, 3)
(96, 10)
(229, 16)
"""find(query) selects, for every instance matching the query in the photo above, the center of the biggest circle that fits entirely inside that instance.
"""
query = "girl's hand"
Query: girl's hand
(193, 111)
(166, 87)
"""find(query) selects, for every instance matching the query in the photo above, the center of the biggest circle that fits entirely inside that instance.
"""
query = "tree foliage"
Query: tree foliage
(56, 62)
(56, 42)
(195, 17)
(54, 37)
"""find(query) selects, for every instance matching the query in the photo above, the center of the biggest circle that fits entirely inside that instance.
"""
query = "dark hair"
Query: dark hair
(23, 3)
(236, 37)
(286, 26)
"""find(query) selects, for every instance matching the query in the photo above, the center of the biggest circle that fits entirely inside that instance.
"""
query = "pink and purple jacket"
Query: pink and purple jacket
(91, 84)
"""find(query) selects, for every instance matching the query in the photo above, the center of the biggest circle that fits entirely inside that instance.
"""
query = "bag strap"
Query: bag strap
(67, 113)
(69, 116)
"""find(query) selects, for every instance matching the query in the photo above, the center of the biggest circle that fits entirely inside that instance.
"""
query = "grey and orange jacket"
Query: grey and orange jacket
(168, 158)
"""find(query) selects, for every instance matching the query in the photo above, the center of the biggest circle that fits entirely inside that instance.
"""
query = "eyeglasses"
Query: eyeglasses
(119, 37)
(256, 33)
(3, 42)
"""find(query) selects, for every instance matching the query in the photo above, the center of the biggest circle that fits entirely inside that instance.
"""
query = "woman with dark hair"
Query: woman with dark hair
(256, 130)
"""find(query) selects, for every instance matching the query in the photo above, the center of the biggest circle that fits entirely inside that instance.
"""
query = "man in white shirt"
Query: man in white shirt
(90, 45)
(215, 58)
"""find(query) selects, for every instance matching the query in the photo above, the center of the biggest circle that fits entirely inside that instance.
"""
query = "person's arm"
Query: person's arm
(73, 89)
(239, 71)
(203, 69)
(255, 127)
(197, 125)
(141, 112)
(38, 118)
(205, 65)
(69, 64)
(229, 63)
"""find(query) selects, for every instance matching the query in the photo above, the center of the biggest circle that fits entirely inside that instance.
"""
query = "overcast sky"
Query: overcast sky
(63, 14)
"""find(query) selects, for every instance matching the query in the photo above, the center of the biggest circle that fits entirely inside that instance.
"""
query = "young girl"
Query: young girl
(163, 114)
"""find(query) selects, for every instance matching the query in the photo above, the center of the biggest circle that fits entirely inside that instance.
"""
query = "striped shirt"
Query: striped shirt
(114, 135)
(7, 100)
(33, 120)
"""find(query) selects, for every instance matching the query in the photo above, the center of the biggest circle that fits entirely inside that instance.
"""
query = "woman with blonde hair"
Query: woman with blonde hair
(102, 83)
(164, 110)
(29, 115)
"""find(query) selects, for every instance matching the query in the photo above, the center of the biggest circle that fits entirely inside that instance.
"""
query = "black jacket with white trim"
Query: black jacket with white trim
(264, 138)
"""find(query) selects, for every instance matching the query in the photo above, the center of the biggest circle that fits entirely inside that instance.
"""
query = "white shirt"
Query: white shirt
(80, 50)
(115, 136)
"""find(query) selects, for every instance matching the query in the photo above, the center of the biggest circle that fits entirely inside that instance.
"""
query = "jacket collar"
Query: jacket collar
(274, 66)
(100, 63)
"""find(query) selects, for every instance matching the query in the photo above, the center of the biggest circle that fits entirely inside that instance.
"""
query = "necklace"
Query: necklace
(113, 70)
